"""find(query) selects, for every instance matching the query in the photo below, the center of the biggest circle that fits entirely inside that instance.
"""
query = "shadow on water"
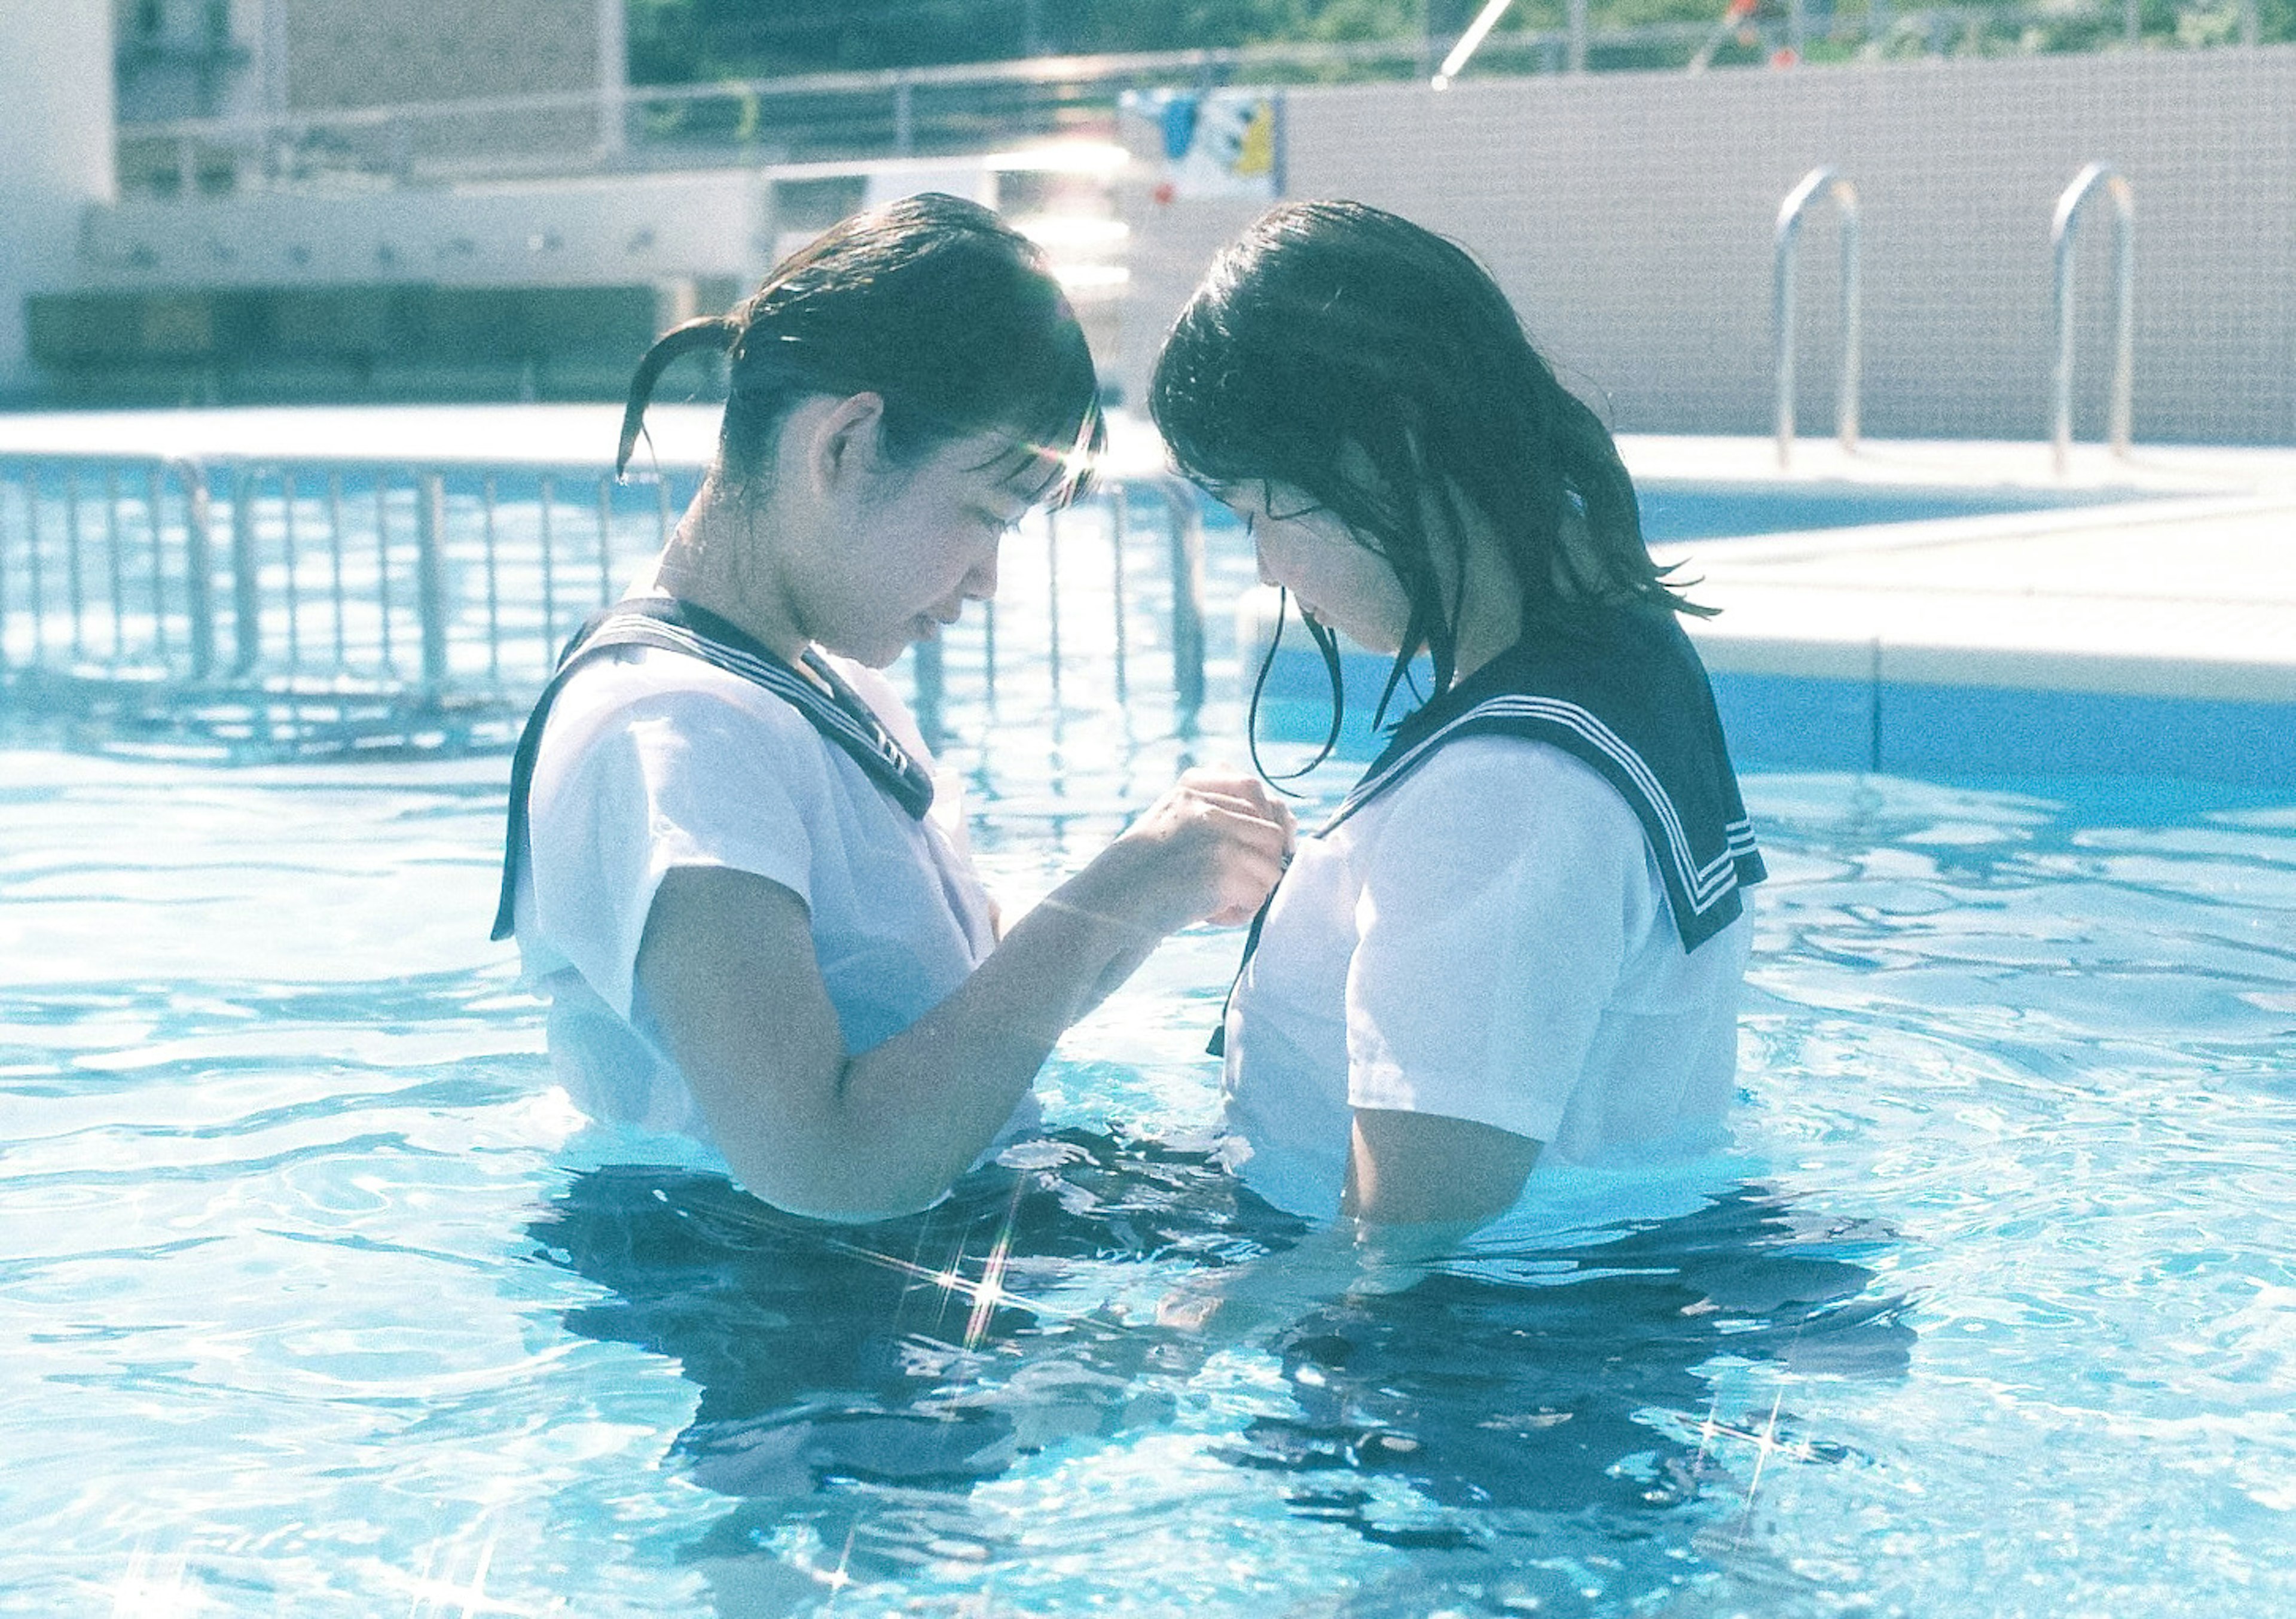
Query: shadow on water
(856, 1382)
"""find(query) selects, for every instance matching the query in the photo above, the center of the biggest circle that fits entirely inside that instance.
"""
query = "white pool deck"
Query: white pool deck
(2188, 595)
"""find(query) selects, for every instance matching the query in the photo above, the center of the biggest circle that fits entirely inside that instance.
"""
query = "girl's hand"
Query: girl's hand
(1211, 849)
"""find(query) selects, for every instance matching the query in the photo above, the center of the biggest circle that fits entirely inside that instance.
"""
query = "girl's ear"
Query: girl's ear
(842, 442)
(1353, 464)
(1362, 473)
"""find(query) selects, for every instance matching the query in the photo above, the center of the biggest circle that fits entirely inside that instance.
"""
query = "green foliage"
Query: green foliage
(690, 41)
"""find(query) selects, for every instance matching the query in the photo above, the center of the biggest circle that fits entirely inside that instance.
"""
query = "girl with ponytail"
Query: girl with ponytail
(727, 864)
(1519, 940)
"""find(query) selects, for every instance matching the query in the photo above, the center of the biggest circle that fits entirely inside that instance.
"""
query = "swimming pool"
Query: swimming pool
(318, 1305)
(1686, 509)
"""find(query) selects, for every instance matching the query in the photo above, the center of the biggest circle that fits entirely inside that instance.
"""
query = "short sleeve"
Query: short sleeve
(631, 791)
(1500, 901)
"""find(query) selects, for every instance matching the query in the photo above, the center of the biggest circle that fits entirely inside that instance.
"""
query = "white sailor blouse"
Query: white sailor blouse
(668, 737)
(1529, 914)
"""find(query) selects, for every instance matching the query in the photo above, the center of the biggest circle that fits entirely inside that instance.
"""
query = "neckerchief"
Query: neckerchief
(839, 713)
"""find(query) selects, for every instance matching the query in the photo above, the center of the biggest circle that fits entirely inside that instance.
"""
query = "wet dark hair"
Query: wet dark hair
(931, 302)
(1374, 368)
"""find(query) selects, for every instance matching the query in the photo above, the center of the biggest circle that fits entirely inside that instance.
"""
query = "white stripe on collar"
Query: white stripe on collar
(1704, 885)
(774, 676)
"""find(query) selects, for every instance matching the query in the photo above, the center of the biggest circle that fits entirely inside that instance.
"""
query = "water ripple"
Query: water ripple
(313, 1310)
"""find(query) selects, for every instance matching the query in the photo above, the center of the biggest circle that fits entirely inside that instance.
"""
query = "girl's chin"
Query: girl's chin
(1384, 645)
(879, 653)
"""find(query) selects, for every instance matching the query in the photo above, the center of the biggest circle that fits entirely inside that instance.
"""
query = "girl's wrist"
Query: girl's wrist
(1121, 888)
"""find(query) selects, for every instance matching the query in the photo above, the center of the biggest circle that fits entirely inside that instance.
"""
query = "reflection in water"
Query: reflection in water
(1488, 1390)
(856, 1382)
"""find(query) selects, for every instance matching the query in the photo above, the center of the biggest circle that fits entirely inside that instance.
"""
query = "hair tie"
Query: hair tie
(718, 333)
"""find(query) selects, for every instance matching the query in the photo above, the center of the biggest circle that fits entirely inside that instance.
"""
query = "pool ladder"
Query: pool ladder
(2063, 238)
(2063, 235)
(1786, 249)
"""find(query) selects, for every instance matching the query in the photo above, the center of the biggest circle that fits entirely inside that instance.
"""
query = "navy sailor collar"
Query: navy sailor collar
(1627, 695)
(839, 713)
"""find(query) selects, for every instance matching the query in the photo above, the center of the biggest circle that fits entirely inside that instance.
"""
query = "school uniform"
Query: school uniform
(1527, 915)
(670, 739)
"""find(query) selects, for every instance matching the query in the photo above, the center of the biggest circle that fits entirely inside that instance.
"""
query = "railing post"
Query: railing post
(2064, 237)
(155, 489)
(1052, 602)
(75, 592)
(35, 571)
(199, 568)
(547, 495)
(1786, 249)
(1187, 568)
(926, 666)
(118, 566)
(431, 578)
(605, 540)
(1120, 518)
(3, 570)
(246, 585)
(493, 578)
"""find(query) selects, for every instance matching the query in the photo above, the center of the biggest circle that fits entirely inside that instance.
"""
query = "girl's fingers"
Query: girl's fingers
(1249, 886)
(1232, 785)
(1273, 815)
(1252, 831)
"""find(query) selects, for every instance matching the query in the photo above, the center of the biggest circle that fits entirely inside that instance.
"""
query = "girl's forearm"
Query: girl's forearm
(902, 1121)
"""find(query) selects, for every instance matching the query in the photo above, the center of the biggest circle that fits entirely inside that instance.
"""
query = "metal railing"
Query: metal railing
(364, 600)
(2063, 235)
(1787, 238)
(108, 563)
(954, 109)
(1181, 554)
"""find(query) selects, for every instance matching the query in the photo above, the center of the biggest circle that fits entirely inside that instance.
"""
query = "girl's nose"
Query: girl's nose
(980, 580)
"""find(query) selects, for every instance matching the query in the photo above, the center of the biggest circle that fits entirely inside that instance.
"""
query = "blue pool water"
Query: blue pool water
(317, 1302)
(1683, 510)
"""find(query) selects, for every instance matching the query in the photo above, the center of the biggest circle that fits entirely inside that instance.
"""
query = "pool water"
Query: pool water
(318, 1302)
(1681, 510)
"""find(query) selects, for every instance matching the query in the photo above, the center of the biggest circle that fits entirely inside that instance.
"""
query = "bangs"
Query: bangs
(1054, 463)
(1226, 431)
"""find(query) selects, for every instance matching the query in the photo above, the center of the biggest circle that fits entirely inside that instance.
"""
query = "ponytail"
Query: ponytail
(715, 333)
(934, 304)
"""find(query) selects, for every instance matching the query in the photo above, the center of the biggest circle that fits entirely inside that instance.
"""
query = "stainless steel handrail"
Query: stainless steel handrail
(1787, 243)
(2063, 238)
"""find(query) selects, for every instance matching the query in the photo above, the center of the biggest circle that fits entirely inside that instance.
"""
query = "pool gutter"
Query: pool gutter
(2156, 638)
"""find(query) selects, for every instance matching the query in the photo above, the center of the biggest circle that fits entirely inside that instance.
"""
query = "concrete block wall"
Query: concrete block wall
(1630, 217)
(347, 53)
(374, 52)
